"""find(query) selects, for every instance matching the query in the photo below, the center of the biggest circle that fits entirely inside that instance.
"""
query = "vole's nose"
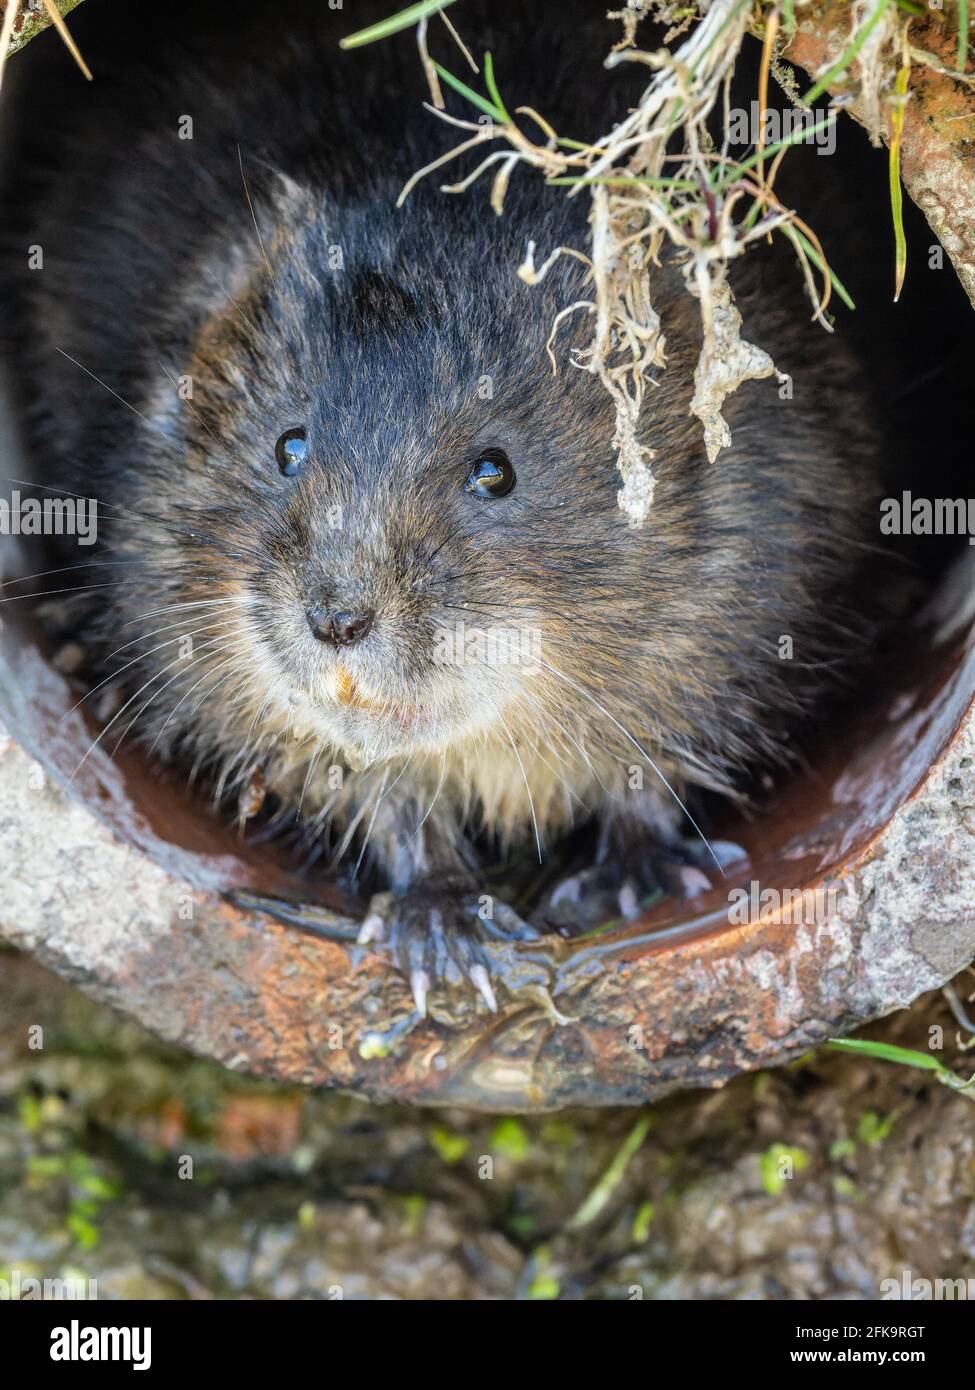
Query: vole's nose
(340, 628)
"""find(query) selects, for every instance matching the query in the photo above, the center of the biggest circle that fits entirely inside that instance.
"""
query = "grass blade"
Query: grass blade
(887, 1052)
(817, 261)
(898, 110)
(497, 113)
(906, 1057)
(848, 54)
(796, 137)
(492, 87)
(403, 20)
(612, 1177)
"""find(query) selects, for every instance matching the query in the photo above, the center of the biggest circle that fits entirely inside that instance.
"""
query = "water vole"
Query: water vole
(330, 452)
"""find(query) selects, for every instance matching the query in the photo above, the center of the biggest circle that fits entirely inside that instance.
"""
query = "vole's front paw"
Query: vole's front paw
(435, 937)
(627, 883)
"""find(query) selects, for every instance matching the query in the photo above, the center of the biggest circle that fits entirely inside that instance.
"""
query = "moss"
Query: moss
(33, 22)
(779, 1165)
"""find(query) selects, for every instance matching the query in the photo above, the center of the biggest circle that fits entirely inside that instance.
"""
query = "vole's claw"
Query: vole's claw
(628, 898)
(626, 884)
(726, 852)
(420, 987)
(434, 937)
(371, 930)
(694, 882)
(680, 880)
(482, 983)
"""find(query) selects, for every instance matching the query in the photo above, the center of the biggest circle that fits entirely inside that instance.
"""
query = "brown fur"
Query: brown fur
(659, 646)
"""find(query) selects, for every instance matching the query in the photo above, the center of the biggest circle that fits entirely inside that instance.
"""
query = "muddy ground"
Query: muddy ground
(163, 1176)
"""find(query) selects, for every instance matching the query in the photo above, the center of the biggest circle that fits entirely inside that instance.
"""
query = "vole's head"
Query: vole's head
(410, 520)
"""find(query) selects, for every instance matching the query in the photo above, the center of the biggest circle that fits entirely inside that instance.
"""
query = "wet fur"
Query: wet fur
(665, 639)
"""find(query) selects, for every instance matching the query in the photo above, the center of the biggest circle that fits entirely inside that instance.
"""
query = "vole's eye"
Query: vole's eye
(492, 474)
(291, 451)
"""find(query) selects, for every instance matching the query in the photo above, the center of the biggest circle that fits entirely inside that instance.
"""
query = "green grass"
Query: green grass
(848, 54)
(497, 113)
(492, 87)
(894, 173)
(905, 1057)
(611, 1179)
(773, 1180)
(402, 20)
(799, 134)
(817, 260)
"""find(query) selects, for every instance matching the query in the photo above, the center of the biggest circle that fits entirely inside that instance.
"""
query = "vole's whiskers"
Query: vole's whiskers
(436, 794)
(264, 705)
(475, 610)
(74, 589)
(108, 388)
(131, 700)
(167, 627)
(186, 694)
(253, 327)
(212, 650)
(560, 675)
(472, 573)
(65, 569)
(349, 834)
(380, 798)
(313, 762)
(59, 490)
(235, 663)
(531, 801)
(199, 417)
(198, 603)
(114, 675)
(550, 717)
(536, 748)
(247, 194)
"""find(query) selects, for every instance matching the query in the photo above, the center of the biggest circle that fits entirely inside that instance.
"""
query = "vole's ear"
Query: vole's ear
(291, 197)
(291, 205)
